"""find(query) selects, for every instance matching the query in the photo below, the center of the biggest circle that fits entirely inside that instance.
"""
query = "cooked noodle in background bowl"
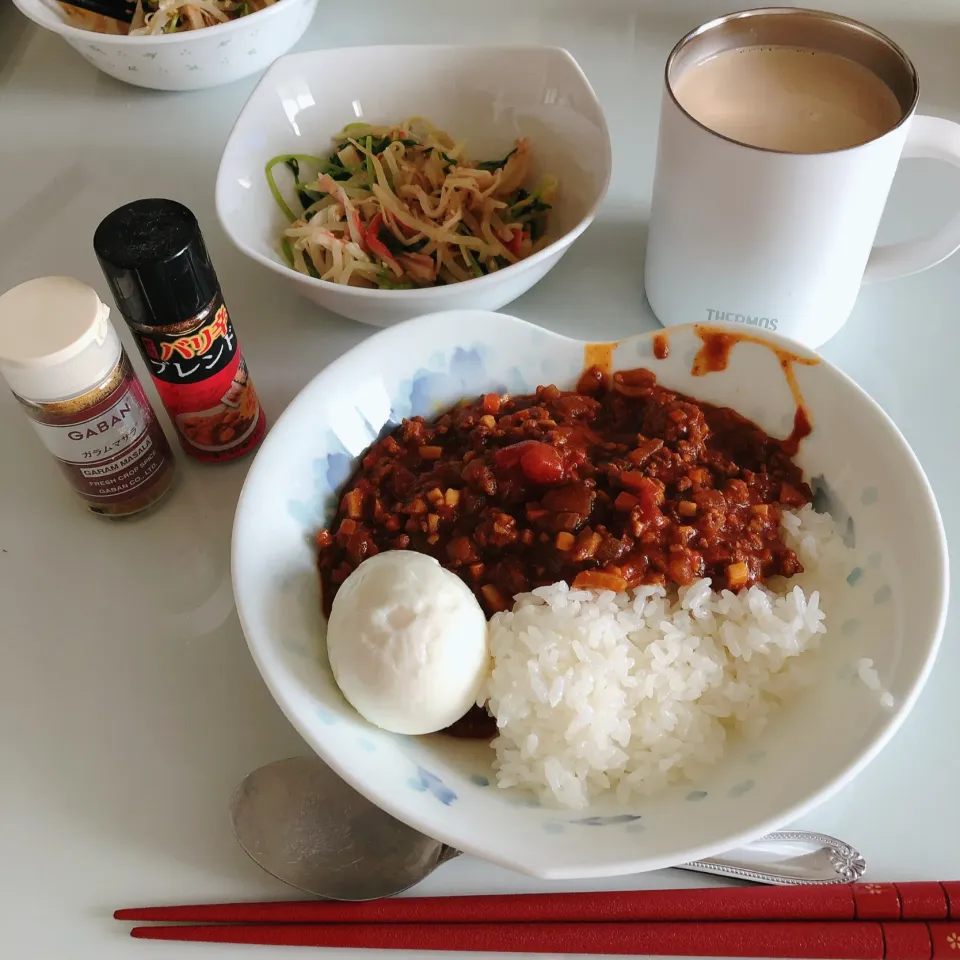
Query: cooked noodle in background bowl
(184, 60)
(885, 608)
(160, 17)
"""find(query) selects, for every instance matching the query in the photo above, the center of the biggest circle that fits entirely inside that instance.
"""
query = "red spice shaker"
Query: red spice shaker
(154, 258)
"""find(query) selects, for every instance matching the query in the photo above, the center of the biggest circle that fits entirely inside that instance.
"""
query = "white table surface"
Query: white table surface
(129, 707)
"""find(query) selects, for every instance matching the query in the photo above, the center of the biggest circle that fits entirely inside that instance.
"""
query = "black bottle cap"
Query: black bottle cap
(154, 258)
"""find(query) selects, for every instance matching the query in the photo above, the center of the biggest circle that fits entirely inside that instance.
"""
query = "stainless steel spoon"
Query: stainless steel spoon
(299, 821)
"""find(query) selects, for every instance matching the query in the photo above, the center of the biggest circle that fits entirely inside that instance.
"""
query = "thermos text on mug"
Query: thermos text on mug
(768, 323)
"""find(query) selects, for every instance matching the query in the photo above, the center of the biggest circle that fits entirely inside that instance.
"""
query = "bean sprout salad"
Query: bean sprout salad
(402, 207)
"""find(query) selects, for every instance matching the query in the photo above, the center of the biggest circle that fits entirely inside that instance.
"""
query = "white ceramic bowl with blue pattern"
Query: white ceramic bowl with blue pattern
(893, 613)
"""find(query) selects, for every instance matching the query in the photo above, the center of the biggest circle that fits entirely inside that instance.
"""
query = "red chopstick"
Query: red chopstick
(927, 900)
(857, 940)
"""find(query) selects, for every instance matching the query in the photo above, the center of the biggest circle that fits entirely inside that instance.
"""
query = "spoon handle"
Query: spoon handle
(785, 858)
(790, 857)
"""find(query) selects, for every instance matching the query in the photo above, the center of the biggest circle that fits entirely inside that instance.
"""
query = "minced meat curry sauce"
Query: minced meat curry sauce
(617, 483)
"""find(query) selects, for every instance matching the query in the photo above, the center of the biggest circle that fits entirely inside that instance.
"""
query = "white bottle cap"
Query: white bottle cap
(56, 339)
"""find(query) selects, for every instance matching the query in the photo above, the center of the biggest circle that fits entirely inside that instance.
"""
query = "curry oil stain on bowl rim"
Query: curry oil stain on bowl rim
(444, 823)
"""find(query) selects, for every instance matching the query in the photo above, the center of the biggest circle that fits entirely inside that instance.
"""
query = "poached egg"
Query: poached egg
(407, 642)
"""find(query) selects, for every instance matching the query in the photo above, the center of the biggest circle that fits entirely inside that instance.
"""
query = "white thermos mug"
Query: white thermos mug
(774, 239)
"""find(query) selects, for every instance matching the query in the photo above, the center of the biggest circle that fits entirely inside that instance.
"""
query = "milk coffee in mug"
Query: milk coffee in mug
(780, 133)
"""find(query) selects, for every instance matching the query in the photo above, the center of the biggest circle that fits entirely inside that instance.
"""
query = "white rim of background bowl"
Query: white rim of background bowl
(584, 871)
(435, 292)
(68, 31)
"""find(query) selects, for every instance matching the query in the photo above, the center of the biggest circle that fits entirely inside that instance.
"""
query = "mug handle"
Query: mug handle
(931, 138)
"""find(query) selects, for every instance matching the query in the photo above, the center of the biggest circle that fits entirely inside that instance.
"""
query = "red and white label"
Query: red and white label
(103, 437)
(119, 448)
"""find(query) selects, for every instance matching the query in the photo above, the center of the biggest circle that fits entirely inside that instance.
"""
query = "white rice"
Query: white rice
(868, 675)
(595, 691)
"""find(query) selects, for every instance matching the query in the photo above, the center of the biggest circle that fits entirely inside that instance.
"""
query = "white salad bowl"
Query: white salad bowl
(191, 60)
(487, 96)
(855, 458)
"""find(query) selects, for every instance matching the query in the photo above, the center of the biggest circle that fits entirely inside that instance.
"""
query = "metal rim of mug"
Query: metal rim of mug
(908, 104)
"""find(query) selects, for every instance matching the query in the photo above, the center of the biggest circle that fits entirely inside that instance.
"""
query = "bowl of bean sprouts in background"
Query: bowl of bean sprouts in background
(188, 59)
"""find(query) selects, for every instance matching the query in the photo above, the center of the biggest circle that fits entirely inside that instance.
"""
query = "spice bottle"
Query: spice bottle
(63, 360)
(154, 258)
